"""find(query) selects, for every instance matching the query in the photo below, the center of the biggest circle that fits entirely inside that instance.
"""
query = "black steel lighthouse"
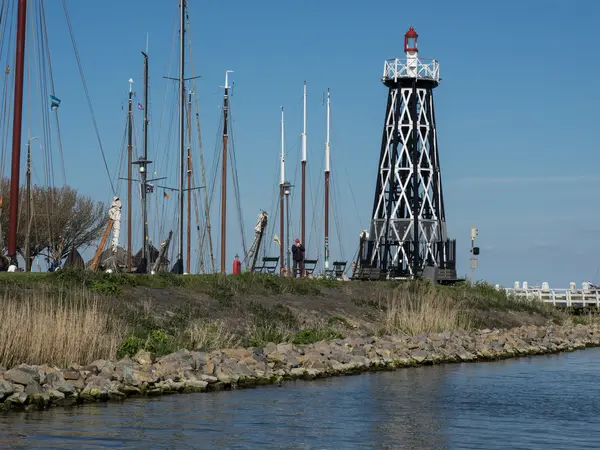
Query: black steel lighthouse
(407, 237)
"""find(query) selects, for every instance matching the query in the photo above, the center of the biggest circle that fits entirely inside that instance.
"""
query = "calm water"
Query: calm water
(545, 402)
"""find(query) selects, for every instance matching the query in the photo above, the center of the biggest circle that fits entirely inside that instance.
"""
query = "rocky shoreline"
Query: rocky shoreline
(40, 387)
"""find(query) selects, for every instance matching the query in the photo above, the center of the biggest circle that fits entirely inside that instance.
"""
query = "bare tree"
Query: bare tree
(62, 220)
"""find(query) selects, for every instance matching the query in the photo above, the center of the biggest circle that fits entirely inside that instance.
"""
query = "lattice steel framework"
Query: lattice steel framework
(408, 226)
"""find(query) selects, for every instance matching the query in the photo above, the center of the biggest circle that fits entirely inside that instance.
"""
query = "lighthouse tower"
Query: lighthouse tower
(407, 237)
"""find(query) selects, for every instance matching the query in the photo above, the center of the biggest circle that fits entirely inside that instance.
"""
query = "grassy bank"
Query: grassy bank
(81, 316)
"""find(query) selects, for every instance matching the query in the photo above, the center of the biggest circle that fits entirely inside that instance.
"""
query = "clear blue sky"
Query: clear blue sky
(517, 120)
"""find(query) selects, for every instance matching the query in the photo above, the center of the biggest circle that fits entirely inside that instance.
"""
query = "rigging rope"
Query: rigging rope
(44, 32)
(274, 214)
(47, 146)
(159, 219)
(87, 94)
(6, 109)
(236, 187)
(207, 229)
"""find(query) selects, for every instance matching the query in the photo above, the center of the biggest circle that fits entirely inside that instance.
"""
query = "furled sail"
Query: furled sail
(115, 215)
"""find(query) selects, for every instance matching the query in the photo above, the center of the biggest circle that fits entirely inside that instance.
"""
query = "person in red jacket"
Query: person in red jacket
(298, 254)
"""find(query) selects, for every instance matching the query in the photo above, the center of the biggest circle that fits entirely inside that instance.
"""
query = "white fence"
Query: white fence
(587, 295)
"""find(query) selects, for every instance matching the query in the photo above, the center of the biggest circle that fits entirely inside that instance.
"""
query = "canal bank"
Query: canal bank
(40, 387)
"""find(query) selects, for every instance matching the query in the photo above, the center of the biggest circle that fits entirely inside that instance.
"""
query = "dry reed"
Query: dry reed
(210, 335)
(73, 327)
(421, 308)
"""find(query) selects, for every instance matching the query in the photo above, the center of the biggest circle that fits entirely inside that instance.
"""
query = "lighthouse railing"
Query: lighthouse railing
(426, 69)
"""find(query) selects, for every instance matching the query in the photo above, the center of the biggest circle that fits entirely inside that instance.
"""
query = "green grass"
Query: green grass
(394, 308)
(222, 287)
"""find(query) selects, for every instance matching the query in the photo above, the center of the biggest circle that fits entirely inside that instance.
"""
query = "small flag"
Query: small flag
(54, 103)
(165, 195)
(140, 107)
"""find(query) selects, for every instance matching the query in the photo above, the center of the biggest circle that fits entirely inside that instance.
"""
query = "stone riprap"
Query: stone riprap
(40, 387)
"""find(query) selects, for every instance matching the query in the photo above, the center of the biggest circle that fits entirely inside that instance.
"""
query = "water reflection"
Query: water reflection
(542, 402)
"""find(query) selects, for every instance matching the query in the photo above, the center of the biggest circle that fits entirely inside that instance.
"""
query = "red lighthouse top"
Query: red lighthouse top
(410, 40)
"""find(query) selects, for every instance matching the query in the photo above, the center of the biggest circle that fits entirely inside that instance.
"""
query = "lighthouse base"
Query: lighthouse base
(441, 276)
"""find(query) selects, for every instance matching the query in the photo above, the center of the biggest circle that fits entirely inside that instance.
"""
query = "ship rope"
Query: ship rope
(206, 232)
(236, 186)
(87, 94)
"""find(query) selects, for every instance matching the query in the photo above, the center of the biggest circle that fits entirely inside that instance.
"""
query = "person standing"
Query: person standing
(298, 254)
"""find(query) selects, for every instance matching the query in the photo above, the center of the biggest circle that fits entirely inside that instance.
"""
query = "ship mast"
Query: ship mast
(189, 186)
(303, 207)
(179, 264)
(129, 171)
(327, 157)
(16, 141)
(143, 168)
(224, 172)
(281, 204)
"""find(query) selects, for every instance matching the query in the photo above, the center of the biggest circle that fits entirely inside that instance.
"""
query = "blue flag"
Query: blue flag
(54, 103)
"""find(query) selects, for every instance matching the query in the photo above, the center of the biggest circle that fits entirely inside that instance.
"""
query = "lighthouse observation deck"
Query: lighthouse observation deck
(411, 67)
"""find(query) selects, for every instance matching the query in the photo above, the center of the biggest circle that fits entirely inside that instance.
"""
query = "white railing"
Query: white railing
(583, 297)
(426, 69)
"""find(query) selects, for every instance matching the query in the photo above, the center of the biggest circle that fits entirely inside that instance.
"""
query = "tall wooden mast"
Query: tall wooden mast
(303, 207)
(327, 155)
(281, 204)
(144, 264)
(224, 173)
(145, 249)
(129, 172)
(16, 141)
(179, 263)
(188, 264)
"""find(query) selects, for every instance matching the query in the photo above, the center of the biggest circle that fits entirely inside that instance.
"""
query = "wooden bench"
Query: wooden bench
(269, 264)
(337, 269)
(310, 265)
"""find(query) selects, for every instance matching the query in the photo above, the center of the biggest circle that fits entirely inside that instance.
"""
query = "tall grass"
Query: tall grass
(413, 308)
(77, 317)
(210, 335)
(37, 327)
